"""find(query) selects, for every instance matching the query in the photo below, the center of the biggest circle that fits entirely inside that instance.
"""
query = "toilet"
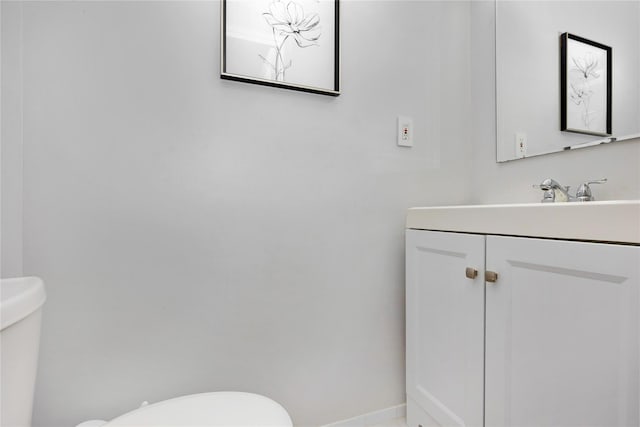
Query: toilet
(224, 408)
(20, 309)
(21, 301)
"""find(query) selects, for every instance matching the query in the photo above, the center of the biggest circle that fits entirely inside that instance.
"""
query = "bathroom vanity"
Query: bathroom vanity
(523, 315)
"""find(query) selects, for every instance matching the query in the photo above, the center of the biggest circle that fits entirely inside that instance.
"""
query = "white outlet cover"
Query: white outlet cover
(521, 145)
(405, 131)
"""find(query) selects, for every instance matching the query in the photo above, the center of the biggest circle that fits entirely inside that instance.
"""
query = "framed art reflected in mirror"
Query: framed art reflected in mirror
(585, 86)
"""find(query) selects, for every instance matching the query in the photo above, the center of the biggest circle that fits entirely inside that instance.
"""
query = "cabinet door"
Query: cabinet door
(445, 328)
(561, 333)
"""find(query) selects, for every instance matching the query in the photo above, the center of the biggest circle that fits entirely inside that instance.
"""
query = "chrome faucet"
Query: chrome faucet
(554, 192)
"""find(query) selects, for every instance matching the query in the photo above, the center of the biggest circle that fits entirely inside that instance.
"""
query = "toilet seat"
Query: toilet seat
(208, 409)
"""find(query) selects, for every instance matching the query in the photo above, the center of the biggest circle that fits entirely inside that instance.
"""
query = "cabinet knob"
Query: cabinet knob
(490, 276)
(471, 273)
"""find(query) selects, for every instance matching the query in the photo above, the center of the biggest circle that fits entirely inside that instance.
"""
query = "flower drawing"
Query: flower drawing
(583, 73)
(288, 21)
(586, 65)
(581, 96)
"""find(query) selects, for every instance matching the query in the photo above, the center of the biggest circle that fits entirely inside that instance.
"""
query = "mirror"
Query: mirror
(528, 70)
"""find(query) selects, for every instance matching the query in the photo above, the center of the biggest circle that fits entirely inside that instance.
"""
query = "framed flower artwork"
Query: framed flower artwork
(292, 44)
(585, 86)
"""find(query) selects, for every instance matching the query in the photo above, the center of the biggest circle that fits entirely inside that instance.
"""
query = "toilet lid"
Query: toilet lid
(208, 409)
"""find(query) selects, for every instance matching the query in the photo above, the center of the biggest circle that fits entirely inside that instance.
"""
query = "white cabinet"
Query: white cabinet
(552, 342)
(561, 333)
(445, 325)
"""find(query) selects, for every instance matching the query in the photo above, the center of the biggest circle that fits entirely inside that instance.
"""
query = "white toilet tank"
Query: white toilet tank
(20, 315)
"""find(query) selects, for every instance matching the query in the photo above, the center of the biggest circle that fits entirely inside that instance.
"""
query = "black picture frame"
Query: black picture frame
(585, 86)
(301, 33)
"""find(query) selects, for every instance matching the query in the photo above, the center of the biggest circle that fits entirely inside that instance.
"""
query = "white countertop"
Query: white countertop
(610, 221)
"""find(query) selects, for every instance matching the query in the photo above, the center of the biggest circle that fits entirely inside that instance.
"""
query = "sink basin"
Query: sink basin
(609, 221)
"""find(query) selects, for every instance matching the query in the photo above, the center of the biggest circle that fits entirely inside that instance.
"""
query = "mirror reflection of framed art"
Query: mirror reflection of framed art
(585, 86)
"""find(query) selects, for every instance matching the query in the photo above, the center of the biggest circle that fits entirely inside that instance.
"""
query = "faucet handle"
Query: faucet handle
(584, 191)
(597, 181)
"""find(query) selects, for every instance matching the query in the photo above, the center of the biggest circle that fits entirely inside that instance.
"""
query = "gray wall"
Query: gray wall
(197, 234)
(11, 147)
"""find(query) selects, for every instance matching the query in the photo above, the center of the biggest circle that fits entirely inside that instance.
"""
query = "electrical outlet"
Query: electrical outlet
(405, 131)
(521, 145)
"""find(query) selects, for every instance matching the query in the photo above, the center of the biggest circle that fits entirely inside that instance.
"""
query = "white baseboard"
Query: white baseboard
(374, 418)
